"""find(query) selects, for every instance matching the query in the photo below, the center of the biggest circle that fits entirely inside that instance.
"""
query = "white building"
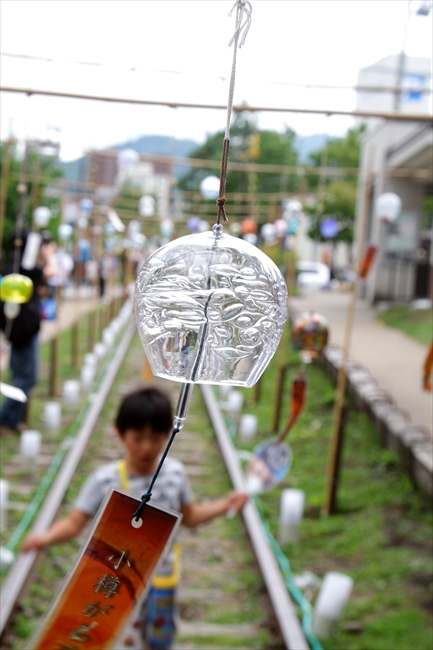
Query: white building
(403, 267)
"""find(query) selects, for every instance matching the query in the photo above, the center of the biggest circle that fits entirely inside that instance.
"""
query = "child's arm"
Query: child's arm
(198, 513)
(60, 531)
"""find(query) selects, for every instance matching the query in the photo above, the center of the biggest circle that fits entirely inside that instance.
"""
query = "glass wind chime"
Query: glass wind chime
(210, 308)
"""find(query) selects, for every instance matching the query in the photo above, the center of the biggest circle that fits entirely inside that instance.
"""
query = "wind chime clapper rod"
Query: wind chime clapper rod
(178, 422)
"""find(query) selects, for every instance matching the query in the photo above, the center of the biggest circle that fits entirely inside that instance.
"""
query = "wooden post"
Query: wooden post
(4, 185)
(333, 487)
(54, 348)
(91, 330)
(337, 429)
(281, 376)
(75, 340)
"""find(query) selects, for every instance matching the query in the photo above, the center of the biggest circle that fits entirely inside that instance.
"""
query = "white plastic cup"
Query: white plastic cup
(4, 499)
(100, 350)
(247, 426)
(53, 415)
(87, 376)
(234, 403)
(90, 359)
(30, 447)
(71, 391)
(108, 338)
(333, 595)
(291, 512)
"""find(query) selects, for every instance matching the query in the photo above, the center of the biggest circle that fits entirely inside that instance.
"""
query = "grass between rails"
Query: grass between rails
(418, 324)
(382, 534)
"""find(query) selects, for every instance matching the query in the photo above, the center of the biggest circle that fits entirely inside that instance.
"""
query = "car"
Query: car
(312, 275)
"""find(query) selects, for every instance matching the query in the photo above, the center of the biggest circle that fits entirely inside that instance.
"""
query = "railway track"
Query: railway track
(232, 593)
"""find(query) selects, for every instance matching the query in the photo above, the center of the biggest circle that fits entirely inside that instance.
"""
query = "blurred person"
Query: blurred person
(143, 424)
(22, 334)
(62, 265)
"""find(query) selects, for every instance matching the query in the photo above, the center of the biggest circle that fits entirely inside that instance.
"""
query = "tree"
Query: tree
(41, 168)
(339, 193)
(247, 144)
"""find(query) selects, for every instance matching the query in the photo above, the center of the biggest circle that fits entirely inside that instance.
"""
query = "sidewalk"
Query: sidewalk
(393, 359)
(72, 307)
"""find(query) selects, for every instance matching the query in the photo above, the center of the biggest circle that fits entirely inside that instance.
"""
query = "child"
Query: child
(143, 424)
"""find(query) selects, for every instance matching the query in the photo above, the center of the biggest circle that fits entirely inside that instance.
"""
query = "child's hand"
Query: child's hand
(34, 543)
(235, 502)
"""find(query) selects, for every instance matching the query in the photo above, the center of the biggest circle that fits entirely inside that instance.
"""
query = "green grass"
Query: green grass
(382, 533)
(417, 324)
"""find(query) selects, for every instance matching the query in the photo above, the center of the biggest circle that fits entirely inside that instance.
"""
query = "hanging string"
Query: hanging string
(243, 23)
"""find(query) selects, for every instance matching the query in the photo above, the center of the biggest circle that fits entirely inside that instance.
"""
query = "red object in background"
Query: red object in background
(367, 262)
(248, 226)
(428, 368)
(299, 389)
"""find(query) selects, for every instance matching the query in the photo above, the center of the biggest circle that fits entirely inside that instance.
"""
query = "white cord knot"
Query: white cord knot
(243, 10)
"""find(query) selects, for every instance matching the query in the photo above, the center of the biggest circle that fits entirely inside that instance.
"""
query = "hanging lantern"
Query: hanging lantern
(65, 231)
(86, 207)
(166, 228)
(42, 216)
(209, 187)
(309, 335)
(210, 308)
(268, 233)
(248, 227)
(16, 288)
(280, 227)
(193, 224)
(146, 206)
(388, 206)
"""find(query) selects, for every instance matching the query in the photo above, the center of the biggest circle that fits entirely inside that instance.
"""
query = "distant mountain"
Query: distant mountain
(159, 145)
(308, 144)
(162, 145)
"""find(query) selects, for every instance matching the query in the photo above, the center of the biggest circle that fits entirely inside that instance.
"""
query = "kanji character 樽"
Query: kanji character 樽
(108, 584)
(80, 633)
(95, 608)
(123, 556)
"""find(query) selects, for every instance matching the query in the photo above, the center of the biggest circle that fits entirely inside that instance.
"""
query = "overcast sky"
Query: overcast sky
(177, 51)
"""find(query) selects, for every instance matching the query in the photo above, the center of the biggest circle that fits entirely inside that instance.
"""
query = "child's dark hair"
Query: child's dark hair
(145, 407)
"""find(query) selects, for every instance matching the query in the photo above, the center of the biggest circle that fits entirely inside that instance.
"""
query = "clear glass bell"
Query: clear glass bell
(210, 308)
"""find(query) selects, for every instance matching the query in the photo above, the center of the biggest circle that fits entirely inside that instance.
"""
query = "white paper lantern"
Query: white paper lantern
(128, 157)
(100, 350)
(42, 216)
(90, 359)
(209, 187)
(210, 308)
(388, 206)
(71, 391)
(87, 375)
(334, 594)
(146, 206)
(52, 415)
(234, 403)
(247, 426)
(30, 447)
(291, 512)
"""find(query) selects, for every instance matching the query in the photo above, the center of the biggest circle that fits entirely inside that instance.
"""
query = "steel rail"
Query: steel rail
(282, 604)
(18, 577)
(399, 117)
